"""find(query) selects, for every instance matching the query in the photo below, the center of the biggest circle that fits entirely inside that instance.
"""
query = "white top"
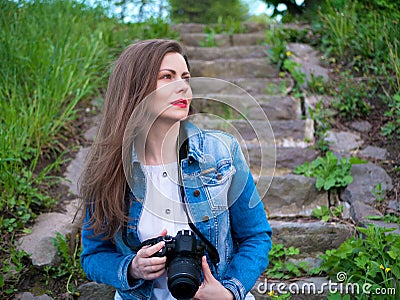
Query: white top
(163, 209)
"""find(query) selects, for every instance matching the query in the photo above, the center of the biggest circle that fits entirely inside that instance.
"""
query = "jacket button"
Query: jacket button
(206, 218)
(196, 193)
(219, 176)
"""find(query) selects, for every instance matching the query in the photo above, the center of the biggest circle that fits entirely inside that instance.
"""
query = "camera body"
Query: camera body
(184, 253)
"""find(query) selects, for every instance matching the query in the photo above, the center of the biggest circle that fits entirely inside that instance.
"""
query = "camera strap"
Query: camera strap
(182, 154)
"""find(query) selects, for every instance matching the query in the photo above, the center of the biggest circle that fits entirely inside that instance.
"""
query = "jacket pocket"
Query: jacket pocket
(216, 181)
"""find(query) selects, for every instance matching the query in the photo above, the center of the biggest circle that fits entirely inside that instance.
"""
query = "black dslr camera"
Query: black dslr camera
(184, 253)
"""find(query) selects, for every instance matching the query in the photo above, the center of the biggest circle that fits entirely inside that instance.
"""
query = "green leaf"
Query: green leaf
(319, 183)
(325, 218)
(392, 254)
(329, 183)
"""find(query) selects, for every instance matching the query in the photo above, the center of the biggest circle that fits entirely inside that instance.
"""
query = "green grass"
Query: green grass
(47, 67)
(54, 58)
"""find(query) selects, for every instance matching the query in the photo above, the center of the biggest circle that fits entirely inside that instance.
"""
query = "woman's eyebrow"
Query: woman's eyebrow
(173, 71)
(169, 70)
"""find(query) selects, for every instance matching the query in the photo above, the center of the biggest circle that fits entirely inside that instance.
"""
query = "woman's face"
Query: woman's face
(173, 94)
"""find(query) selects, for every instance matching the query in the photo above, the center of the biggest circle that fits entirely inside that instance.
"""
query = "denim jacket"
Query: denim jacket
(225, 207)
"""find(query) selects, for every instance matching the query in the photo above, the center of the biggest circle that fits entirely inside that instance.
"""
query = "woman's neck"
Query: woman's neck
(160, 145)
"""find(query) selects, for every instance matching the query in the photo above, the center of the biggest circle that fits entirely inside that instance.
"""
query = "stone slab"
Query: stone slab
(30, 296)
(361, 126)
(223, 40)
(310, 236)
(218, 53)
(254, 86)
(373, 152)
(200, 28)
(292, 196)
(266, 156)
(253, 67)
(259, 107)
(309, 58)
(93, 290)
(343, 142)
(75, 169)
(365, 178)
(39, 243)
(282, 133)
(361, 211)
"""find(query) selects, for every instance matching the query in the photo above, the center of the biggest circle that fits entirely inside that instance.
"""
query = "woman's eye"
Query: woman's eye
(166, 76)
(187, 79)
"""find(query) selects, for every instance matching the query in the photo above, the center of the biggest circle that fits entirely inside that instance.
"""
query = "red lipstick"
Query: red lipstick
(181, 103)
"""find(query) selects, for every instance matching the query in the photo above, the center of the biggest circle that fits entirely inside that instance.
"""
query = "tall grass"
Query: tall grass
(54, 55)
(48, 63)
(359, 29)
(364, 36)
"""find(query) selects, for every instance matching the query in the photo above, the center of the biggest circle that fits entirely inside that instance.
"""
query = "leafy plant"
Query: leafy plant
(373, 258)
(379, 193)
(294, 69)
(322, 118)
(338, 296)
(12, 267)
(279, 55)
(329, 171)
(388, 218)
(326, 213)
(275, 39)
(280, 267)
(317, 85)
(392, 128)
(351, 97)
(209, 41)
(68, 252)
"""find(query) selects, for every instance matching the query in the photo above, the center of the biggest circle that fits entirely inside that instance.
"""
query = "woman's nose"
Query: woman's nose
(182, 86)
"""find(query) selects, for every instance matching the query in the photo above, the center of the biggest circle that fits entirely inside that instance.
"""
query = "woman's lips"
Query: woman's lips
(182, 103)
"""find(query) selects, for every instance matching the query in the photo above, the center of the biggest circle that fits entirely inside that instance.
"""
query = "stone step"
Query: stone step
(223, 40)
(261, 158)
(290, 195)
(39, 244)
(282, 133)
(310, 236)
(269, 86)
(252, 86)
(246, 106)
(249, 67)
(218, 53)
(200, 28)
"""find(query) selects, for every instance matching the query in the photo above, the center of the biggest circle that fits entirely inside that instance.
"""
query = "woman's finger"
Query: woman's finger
(150, 251)
(206, 270)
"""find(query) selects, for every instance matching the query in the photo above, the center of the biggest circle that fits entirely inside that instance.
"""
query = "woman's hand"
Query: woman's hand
(145, 266)
(211, 288)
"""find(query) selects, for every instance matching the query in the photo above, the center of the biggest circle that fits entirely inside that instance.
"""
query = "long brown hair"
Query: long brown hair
(103, 182)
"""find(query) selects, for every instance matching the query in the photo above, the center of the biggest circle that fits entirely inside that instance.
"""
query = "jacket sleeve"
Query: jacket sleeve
(250, 229)
(102, 262)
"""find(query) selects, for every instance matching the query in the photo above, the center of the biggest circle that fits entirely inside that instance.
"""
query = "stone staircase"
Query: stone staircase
(243, 60)
(251, 101)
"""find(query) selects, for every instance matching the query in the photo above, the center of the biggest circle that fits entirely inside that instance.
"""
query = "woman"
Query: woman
(157, 187)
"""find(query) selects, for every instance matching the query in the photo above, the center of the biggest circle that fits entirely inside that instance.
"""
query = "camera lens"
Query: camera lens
(184, 277)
